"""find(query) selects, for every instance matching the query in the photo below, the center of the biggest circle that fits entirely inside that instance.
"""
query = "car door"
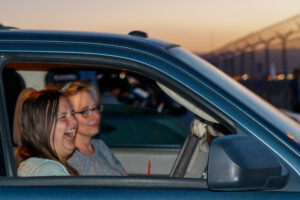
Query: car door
(114, 187)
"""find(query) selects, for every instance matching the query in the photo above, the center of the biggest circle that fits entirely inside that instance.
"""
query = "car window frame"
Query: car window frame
(7, 147)
(161, 77)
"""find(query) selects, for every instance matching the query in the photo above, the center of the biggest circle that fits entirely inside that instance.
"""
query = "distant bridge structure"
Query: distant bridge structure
(265, 53)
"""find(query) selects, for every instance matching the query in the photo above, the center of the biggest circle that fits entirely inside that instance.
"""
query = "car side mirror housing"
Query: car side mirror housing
(240, 163)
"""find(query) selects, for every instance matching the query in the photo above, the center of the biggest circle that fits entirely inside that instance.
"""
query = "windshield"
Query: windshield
(289, 130)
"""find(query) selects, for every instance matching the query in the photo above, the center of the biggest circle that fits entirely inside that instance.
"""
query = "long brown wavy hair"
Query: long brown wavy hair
(38, 115)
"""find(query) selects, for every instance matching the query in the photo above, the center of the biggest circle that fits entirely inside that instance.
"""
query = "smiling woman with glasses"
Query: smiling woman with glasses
(92, 156)
(89, 111)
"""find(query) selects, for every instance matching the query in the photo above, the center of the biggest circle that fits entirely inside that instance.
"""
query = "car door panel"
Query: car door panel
(137, 161)
(117, 193)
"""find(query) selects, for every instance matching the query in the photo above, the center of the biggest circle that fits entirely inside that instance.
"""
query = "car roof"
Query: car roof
(125, 40)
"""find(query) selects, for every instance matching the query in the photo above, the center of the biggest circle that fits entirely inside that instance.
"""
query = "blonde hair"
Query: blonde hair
(75, 87)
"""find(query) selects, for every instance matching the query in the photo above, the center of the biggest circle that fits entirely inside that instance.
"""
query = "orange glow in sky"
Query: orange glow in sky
(197, 25)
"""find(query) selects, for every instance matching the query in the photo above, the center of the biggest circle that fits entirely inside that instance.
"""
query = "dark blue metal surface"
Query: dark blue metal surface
(250, 114)
(100, 193)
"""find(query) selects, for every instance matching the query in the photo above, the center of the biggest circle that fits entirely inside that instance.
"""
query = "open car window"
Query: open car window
(144, 123)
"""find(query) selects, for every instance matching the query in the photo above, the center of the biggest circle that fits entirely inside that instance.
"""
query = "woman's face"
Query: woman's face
(87, 125)
(62, 139)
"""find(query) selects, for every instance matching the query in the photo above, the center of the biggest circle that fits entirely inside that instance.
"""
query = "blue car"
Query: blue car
(181, 128)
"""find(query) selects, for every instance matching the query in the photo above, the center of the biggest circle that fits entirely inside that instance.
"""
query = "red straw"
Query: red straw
(149, 168)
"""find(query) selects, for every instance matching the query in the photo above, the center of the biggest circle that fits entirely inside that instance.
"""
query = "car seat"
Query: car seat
(192, 159)
(13, 85)
(17, 129)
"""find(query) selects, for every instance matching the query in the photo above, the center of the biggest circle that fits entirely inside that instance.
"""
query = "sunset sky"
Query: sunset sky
(197, 25)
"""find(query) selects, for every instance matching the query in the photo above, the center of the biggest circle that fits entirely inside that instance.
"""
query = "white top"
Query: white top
(41, 167)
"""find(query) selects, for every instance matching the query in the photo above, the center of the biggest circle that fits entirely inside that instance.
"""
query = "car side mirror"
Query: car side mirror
(240, 163)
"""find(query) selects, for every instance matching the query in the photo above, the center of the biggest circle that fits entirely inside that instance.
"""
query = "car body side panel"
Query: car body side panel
(118, 193)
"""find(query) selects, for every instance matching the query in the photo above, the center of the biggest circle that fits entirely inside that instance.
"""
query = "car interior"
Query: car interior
(145, 123)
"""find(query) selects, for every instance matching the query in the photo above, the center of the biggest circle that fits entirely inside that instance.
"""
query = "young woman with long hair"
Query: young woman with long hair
(47, 136)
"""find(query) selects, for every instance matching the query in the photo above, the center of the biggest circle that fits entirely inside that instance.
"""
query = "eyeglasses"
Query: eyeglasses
(88, 112)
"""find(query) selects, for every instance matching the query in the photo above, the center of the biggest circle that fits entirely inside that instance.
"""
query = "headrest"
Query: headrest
(17, 129)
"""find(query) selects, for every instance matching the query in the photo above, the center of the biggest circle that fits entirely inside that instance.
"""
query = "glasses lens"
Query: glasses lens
(86, 113)
(89, 112)
(98, 108)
